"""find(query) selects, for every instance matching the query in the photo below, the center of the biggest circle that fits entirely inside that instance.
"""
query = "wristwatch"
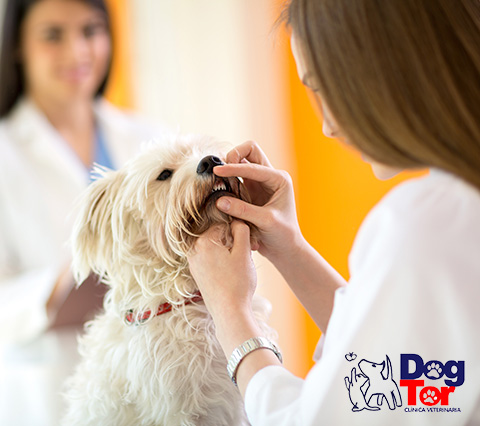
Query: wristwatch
(240, 352)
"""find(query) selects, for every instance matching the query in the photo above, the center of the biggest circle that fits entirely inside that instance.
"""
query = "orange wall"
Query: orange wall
(335, 189)
(119, 89)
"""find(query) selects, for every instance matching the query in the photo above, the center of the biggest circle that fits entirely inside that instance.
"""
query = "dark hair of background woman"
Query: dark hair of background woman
(12, 85)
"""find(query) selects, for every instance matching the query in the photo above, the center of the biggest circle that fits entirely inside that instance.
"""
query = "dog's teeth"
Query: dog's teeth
(219, 186)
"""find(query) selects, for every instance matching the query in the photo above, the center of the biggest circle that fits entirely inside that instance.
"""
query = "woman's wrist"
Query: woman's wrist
(291, 249)
(234, 328)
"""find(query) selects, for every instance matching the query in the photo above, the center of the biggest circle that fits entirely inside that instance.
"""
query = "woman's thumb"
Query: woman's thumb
(241, 236)
(239, 209)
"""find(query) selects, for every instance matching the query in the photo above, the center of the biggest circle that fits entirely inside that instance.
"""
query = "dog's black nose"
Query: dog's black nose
(207, 164)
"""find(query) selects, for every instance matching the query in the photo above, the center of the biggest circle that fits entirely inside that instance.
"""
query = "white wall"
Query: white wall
(208, 66)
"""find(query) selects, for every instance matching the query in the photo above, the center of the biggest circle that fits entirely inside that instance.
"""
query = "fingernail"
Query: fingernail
(223, 204)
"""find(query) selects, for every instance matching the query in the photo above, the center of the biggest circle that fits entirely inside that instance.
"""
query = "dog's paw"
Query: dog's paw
(429, 397)
(434, 370)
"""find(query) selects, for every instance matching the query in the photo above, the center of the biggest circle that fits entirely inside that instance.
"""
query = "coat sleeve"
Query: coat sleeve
(26, 282)
(23, 299)
(413, 289)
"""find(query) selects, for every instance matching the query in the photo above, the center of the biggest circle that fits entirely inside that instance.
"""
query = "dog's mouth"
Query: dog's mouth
(201, 216)
(222, 186)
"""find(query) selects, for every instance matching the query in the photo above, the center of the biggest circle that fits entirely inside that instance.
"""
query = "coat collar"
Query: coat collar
(123, 133)
(37, 137)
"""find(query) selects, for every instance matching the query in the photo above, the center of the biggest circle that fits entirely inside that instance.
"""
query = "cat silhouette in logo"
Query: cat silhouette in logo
(354, 385)
(381, 383)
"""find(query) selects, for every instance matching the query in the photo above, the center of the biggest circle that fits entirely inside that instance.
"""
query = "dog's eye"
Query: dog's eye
(165, 174)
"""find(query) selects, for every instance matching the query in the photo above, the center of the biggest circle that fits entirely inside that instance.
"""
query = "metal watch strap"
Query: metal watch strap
(240, 352)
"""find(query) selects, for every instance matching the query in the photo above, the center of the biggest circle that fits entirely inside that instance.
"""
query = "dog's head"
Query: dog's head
(137, 224)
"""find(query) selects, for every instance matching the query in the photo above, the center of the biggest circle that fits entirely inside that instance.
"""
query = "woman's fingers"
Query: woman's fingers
(272, 179)
(249, 151)
(208, 240)
(259, 216)
(241, 237)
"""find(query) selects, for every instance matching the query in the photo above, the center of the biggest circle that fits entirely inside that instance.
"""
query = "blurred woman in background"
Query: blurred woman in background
(55, 61)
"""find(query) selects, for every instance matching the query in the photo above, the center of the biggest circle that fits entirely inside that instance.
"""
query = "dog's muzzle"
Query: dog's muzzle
(206, 165)
(220, 186)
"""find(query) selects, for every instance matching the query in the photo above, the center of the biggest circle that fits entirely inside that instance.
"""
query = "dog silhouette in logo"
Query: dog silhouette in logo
(381, 383)
(354, 386)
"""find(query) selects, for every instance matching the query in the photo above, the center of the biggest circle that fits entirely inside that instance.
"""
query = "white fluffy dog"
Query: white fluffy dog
(152, 358)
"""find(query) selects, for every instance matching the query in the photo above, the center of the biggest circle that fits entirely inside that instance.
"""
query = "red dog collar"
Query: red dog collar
(136, 319)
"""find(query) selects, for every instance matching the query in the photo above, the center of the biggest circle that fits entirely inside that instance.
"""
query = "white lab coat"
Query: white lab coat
(40, 179)
(414, 290)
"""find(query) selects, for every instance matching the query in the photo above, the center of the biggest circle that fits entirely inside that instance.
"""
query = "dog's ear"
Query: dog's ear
(91, 237)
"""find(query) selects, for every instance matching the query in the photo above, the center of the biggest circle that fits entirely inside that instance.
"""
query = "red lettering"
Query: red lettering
(444, 394)
(412, 389)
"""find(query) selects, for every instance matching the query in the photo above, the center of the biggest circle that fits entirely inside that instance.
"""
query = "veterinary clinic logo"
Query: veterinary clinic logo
(372, 380)
(371, 383)
(412, 368)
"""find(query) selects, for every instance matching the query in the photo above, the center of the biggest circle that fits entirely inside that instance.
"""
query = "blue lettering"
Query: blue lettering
(455, 370)
(405, 366)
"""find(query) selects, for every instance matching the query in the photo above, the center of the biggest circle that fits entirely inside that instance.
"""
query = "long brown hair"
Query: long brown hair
(401, 77)
(12, 85)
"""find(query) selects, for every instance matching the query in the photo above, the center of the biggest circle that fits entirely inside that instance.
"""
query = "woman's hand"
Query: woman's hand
(226, 277)
(312, 279)
(227, 281)
(273, 209)
(64, 285)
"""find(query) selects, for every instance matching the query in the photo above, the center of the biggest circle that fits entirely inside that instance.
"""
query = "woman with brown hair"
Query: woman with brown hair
(399, 80)
(54, 124)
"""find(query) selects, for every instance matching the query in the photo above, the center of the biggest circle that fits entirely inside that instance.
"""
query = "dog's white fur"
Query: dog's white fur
(134, 231)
